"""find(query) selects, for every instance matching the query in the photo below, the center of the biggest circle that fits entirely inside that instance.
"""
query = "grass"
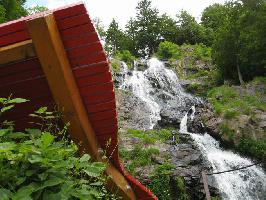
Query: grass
(151, 136)
(138, 157)
(230, 103)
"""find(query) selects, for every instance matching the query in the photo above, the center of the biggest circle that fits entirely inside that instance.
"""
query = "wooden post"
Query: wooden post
(205, 183)
(51, 53)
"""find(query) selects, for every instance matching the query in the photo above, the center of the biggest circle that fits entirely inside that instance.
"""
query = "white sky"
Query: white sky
(122, 10)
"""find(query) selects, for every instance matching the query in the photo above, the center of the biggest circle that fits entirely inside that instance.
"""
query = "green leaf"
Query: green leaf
(47, 139)
(35, 159)
(4, 132)
(41, 110)
(52, 182)
(98, 183)
(6, 108)
(95, 169)
(18, 135)
(7, 146)
(34, 132)
(24, 193)
(5, 194)
(85, 158)
(51, 196)
(2, 100)
(18, 100)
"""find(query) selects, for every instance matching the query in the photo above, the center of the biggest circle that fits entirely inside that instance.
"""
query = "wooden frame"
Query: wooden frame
(47, 45)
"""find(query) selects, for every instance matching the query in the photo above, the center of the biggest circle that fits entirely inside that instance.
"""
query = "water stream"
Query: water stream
(158, 87)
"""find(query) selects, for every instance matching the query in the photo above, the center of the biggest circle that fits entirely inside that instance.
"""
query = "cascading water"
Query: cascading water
(244, 184)
(158, 87)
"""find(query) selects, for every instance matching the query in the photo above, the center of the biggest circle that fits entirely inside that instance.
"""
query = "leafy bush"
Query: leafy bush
(202, 52)
(125, 56)
(182, 193)
(115, 64)
(36, 164)
(167, 50)
(251, 147)
(160, 184)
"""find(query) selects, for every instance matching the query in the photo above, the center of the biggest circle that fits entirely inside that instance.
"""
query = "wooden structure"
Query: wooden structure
(56, 57)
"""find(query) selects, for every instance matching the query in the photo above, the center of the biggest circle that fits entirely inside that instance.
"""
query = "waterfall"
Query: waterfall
(158, 86)
(237, 185)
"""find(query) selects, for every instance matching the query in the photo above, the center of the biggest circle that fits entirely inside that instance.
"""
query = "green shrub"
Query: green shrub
(125, 56)
(181, 187)
(251, 147)
(167, 50)
(36, 164)
(160, 184)
(202, 52)
(116, 66)
(227, 131)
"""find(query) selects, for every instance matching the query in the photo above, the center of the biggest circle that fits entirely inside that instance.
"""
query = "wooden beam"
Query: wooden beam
(57, 69)
(18, 51)
(205, 184)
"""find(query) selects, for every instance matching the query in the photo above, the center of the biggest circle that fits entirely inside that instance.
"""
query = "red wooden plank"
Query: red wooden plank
(28, 93)
(104, 123)
(102, 115)
(19, 67)
(94, 79)
(21, 76)
(14, 38)
(96, 89)
(92, 69)
(11, 27)
(113, 128)
(81, 40)
(30, 83)
(85, 50)
(73, 21)
(106, 97)
(101, 107)
(90, 58)
(77, 31)
(69, 11)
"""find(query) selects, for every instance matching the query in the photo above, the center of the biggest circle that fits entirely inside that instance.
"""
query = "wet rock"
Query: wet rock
(132, 112)
(170, 117)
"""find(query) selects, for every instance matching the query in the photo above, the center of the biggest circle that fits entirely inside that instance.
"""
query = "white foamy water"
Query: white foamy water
(244, 184)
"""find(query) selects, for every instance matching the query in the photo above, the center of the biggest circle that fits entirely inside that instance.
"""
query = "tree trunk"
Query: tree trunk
(239, 73)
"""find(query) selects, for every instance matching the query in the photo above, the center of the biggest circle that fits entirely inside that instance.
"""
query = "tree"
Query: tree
(147, 31)
(240, 44)
(12, 9)
(214, 16)
(99, 27)
(36, 9)
(131, 34)
(189, 30)
(114, 38)
(169, 30)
